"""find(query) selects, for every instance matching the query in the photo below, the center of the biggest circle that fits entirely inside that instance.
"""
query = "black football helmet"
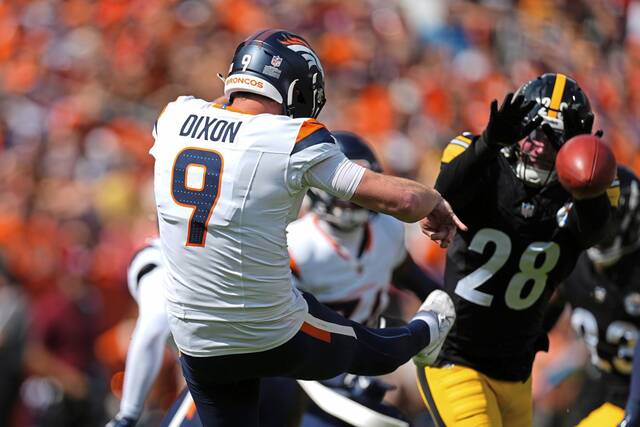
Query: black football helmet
(343, 214)
(552, 93)
(281, 66)
(625, 237)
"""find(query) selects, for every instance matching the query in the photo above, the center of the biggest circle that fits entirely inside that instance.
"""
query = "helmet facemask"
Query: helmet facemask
(553, 93)
(536, 154)
(341, 214)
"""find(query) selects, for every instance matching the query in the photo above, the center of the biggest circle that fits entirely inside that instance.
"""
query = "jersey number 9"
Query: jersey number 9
(200, 193)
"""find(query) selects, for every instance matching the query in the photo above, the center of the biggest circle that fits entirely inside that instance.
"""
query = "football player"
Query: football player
(521, 242)
(146, 349)
(346, 256)
(228, 179)
(604, 297)
(364, 252)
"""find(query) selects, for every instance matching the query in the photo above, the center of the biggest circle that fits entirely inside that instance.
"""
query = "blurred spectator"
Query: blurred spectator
(65, 387)
(13, 327)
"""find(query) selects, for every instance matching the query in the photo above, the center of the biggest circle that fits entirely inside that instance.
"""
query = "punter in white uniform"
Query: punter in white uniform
(144, 357)
(227, 182)
(347, 257)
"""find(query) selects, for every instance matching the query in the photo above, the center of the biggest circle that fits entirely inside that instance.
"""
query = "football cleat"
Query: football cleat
(439, 313)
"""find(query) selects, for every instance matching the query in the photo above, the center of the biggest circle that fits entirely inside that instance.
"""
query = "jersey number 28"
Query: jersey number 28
(200, 194)
(467, 287)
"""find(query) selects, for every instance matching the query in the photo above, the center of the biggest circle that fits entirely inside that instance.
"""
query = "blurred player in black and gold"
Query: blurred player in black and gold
(525, 235)
(604, 293)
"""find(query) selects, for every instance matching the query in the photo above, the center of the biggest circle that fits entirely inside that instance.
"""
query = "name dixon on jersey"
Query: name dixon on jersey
(209, 128)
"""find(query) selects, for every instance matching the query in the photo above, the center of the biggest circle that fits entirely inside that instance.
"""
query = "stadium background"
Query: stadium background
(81, 83)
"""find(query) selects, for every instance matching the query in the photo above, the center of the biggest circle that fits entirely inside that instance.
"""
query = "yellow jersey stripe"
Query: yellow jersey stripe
(452, 151)
(613, 193)
(463, 139)
(556, 95)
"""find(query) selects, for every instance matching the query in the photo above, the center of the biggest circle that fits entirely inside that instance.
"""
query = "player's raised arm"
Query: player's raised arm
(586, 168)
(466, 157)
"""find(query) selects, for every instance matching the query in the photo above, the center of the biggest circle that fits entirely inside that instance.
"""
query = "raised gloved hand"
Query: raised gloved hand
(575, 123)
(122, 422)
(506, 124)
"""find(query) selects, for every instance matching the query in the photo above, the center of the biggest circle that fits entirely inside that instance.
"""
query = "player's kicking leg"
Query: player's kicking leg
(226, 388)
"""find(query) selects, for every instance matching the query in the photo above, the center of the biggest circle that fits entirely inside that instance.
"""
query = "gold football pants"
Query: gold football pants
(607, 415)
(457, 396)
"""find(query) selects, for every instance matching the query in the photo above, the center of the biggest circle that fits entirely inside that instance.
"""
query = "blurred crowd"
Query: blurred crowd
(82, 81)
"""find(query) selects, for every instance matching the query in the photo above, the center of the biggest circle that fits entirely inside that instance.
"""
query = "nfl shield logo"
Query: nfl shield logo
(276, 61)
(527, 209)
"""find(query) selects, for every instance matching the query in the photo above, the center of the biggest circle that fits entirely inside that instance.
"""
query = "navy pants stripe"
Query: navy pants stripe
(226, 388)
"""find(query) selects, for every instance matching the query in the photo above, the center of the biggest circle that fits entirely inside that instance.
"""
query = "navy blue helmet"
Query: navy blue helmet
(281, 66)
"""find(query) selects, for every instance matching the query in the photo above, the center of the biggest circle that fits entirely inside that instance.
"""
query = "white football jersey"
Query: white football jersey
(355, 286)
(226, 186)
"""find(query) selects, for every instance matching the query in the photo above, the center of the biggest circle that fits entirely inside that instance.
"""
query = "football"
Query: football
(585, 166)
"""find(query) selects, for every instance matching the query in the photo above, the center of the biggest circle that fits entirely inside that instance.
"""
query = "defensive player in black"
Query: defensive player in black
(604, 293)
(525, 235)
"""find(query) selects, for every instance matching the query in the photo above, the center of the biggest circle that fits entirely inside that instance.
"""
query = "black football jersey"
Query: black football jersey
(606, 313)
(521, 242)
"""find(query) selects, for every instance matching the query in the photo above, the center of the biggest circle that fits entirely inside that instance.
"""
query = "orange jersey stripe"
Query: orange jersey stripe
(191, 411)
(308, 127)
(293, 266)
(316, 332)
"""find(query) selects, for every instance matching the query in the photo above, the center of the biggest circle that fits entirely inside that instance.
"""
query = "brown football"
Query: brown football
(585, 166)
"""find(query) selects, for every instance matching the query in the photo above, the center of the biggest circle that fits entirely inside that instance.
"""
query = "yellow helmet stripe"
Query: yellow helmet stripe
(556, 96)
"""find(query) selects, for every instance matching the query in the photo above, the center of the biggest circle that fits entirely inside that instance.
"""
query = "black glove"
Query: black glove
(506, 125)
(575, 123)
(122, 422)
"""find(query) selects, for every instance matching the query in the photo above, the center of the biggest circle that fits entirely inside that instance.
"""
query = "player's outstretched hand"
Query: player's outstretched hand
(505, 125)
(441, 224)
(576, 122)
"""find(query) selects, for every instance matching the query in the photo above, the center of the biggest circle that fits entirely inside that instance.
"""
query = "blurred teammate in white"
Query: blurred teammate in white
(228, 180)
(145, 278)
